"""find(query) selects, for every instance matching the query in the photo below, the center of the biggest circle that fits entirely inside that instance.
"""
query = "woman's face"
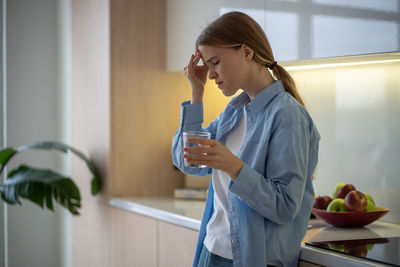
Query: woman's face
(226, 67)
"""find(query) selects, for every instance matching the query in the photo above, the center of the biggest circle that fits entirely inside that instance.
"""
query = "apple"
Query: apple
(321, 202)
(328, 199)
(338, 247)
(368, 196)
(344, 190)
(369, 246)
(355, 201)
(336, 205)
(336, 189)
(370, 205)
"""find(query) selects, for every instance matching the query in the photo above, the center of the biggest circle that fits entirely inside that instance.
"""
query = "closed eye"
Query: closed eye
(215, 63)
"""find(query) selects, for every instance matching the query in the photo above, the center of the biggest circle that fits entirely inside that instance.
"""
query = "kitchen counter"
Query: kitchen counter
(188, 213)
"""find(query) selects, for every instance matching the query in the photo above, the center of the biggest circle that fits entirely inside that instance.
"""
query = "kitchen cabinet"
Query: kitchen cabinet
(173, 225)
(133, 240)
(328, 28)
(176, 245)
(142, 241)
(297, 30)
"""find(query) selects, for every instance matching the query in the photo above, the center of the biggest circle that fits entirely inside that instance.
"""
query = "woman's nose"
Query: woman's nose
(212, 75)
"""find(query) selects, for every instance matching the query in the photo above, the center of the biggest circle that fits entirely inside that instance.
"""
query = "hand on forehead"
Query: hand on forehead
(197, 50)
(207, 52)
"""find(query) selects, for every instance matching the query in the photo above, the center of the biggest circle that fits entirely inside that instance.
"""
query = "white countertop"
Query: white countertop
(188, 213)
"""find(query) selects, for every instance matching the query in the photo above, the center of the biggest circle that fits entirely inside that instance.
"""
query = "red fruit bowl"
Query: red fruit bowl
(350, 218)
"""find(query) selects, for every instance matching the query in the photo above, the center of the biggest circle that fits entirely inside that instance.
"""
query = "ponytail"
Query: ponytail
(290, 86)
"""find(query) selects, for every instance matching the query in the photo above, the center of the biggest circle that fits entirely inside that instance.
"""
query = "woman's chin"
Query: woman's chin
(229, 92)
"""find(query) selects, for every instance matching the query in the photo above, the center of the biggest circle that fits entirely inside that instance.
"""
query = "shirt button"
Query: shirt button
(234, 241)
(249, 119)
(232, 209)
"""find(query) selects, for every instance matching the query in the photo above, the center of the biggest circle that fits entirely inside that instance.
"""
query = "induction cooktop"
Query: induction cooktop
(381, 250)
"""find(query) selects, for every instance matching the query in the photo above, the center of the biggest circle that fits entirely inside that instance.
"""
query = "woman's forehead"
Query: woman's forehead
(208, 51)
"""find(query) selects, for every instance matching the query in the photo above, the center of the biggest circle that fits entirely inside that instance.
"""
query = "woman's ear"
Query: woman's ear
(248, 52)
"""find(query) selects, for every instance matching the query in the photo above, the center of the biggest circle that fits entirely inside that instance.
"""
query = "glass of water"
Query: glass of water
(190, 134)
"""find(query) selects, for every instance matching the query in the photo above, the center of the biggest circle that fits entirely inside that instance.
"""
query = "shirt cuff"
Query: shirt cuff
(245, 182)
(191, 113)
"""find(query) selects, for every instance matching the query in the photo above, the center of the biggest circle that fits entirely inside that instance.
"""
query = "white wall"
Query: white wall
(37, 110)
(356, 110)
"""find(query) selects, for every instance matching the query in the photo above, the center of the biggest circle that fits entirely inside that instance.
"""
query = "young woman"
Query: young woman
(262, 153)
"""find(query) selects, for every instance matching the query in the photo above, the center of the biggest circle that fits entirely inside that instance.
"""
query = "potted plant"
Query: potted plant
(41, 186)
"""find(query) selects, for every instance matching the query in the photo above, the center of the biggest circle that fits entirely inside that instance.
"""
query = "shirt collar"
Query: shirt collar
(261, 100)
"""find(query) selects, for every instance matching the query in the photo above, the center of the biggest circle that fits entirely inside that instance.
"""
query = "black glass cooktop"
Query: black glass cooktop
(382, 250)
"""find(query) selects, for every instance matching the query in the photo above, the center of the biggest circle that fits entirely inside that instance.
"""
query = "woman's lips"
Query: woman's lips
(219, 84)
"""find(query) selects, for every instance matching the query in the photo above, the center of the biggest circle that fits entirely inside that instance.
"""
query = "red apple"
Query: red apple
(321, 202)
(344, 190)
(328, 200)
(355, 201)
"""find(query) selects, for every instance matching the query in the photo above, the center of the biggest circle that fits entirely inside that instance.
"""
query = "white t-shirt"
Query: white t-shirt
(218, 239)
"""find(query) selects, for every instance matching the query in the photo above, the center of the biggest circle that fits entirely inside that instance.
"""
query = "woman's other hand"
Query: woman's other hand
(197, 77)
(214, 155)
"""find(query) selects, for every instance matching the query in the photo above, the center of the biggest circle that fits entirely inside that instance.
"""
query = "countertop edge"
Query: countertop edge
(326, 258)
(154, 213)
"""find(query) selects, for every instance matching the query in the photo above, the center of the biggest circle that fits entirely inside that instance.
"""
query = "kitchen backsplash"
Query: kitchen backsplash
(357, 112)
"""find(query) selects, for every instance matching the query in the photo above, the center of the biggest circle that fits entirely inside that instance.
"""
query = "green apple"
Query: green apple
(369, 246)
(338, 247)
(369, 198)
(336, 205)
(336, 189)
(370, 205)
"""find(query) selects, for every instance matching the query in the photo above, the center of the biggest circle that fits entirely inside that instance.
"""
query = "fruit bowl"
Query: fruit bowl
(350, 218)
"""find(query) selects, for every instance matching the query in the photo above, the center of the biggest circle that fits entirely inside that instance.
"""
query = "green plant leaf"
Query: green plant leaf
(53, 145)
(5, 155)
(41, 186)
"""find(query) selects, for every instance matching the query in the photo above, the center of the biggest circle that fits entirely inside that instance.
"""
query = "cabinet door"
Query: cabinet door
(176, 245)
(296, 29)
(133, 239)
(331, 28)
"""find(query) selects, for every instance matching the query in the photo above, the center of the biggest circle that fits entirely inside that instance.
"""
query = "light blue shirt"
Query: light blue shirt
(270, 200)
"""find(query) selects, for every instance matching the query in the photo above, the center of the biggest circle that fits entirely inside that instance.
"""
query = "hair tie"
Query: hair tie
(273, 65)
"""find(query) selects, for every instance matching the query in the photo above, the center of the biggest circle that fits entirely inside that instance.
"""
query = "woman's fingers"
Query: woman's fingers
(192, 60)
(202, 141)
(207, 146)
(203, 67)
(196, 75)
(196, 59)
(199, 150)
(198, 159)
(191, 66)
(200, 55)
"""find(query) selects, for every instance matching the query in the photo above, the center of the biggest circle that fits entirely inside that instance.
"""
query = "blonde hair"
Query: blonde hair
(234, 29)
